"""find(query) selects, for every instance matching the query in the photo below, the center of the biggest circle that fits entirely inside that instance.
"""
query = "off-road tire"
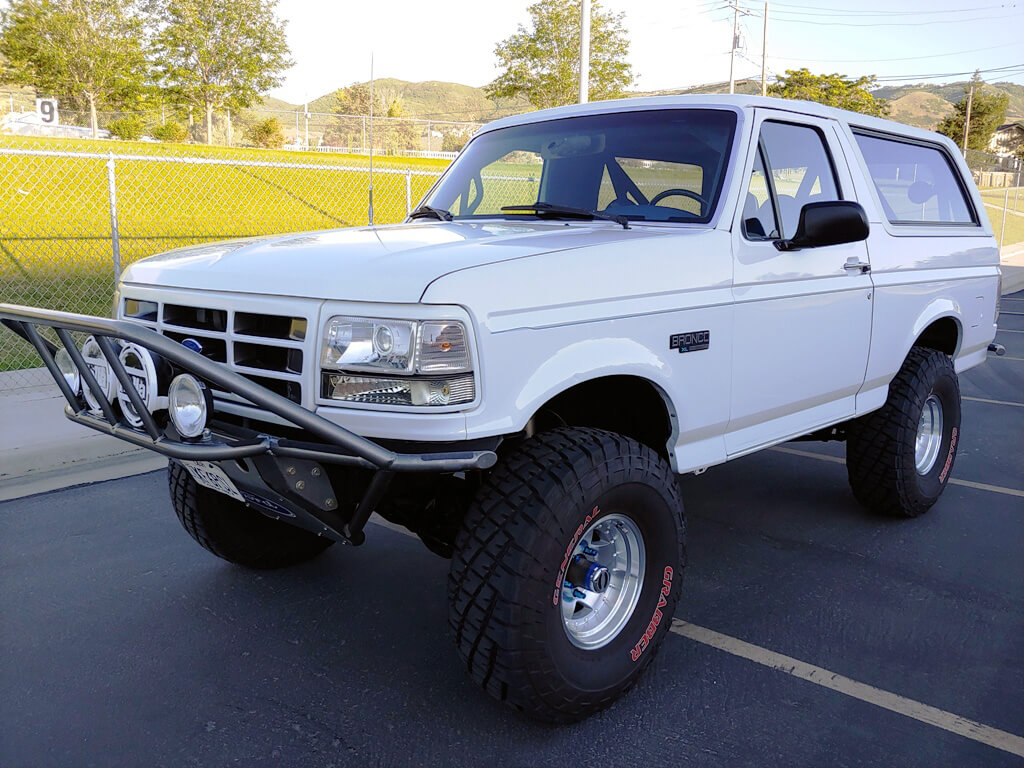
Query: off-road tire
(880, 445)
(232, 531)
(505, 577)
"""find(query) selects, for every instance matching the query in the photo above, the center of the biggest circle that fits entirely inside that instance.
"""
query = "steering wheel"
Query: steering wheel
(684, 193)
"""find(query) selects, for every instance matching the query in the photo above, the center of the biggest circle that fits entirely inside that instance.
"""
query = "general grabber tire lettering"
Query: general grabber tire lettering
(889, 472)
(235, 532)
(515, 550)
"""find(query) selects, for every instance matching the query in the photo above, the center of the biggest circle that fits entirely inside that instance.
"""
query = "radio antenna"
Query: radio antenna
(371, 138)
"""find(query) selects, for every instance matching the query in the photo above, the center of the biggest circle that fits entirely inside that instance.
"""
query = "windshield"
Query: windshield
(656, 165)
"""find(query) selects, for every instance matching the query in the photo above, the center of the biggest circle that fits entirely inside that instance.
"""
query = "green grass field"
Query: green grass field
(55, 245)
(1014, 200)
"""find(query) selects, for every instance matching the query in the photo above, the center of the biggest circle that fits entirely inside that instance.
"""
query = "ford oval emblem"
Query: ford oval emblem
(192, 344)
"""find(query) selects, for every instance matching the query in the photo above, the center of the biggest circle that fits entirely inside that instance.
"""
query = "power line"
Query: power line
(824, 10)
(893, 23)
(1007, 70)
(904, 58)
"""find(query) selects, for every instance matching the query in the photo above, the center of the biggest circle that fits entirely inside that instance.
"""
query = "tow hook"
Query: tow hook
(585, 573)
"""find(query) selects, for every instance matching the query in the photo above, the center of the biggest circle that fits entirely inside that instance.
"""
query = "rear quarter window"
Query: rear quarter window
(916, 183)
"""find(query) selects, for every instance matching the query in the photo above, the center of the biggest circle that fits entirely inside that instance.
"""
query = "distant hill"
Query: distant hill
(924, 104)
(919, 108)
(921, 104)
(429, 100)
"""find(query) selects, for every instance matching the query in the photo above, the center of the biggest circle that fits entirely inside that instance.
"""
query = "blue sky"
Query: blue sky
(675, 43)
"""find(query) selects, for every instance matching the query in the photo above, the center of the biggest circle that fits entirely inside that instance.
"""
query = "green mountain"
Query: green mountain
(921, 104)
(430, 100)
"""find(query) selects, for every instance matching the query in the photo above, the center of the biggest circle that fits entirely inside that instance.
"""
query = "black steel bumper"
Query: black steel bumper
(339, 446)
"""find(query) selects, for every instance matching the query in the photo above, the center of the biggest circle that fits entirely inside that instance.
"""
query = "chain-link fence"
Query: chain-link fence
(999, 179)
(295, 129)
(73, 214)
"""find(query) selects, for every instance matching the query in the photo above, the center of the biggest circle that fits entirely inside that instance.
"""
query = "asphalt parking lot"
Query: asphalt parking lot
(123, 643)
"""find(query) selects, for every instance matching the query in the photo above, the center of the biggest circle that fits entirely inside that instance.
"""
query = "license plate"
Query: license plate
(209, 475)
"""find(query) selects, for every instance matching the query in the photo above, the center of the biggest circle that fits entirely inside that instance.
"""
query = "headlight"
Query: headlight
(416, 363)
(369, 345)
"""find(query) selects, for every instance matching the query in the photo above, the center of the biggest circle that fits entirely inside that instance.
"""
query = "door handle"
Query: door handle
(853, 264)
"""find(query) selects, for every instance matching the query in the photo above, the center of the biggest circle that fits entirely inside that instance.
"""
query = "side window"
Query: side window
(800, 170)
(758, 215)
(915, 182)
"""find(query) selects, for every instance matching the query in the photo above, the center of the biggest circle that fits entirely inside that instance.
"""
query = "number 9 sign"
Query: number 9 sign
(47, 111)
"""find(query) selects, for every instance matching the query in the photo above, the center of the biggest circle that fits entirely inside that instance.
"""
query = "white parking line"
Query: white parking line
(993, 402)
(901, 705)
(952, 481)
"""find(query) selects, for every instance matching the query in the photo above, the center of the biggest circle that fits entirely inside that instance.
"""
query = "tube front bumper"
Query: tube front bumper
(336, 445)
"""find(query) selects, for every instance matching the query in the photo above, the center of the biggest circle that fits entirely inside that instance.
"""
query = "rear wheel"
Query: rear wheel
(566, 572)
(232, 531)
(900, 458)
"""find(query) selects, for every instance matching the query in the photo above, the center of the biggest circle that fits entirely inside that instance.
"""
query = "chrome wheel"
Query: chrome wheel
(603, 581)
(929, 435)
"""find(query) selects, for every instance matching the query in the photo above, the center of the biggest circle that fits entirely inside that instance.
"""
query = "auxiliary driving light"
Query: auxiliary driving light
(141, 368)
(68, 370)
(187, 403)
(100, 370)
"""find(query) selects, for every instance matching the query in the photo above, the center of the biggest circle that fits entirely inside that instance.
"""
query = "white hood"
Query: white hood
(387, 264)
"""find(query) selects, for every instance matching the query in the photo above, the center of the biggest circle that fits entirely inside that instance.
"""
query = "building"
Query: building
(1007, 139)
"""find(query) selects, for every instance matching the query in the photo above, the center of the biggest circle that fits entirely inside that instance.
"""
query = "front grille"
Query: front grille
(267, 349)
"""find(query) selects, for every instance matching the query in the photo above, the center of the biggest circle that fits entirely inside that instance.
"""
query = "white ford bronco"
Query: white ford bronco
(591, 301)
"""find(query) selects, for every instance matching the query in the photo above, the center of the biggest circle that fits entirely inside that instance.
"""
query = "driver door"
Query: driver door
(802, 318)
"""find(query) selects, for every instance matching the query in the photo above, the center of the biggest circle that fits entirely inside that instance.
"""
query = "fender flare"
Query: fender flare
(632, 359)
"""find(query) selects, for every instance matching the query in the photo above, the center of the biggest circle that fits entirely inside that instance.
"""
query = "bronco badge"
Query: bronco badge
(691, 341)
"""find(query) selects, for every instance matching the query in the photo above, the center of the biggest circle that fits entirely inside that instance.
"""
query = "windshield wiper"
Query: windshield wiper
(554, 209)
(428, 211)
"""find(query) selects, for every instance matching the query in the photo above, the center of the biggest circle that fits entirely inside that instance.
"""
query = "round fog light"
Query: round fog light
(68, 370)
(187, 405)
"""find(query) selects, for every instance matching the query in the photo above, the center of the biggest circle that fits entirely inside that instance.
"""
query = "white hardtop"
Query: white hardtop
(738, 102)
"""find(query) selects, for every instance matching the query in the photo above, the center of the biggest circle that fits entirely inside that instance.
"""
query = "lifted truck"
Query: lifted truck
(591, 301)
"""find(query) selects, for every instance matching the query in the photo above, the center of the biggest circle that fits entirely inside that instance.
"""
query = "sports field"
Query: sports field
(55, 213)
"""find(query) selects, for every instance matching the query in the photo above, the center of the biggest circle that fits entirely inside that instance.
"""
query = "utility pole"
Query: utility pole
(584, 51)
(764, 52)
(371, 140)
(967, 120)
(732, 52)
(305, 109)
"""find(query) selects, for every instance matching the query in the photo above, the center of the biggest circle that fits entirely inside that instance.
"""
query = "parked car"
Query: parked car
(590, 302)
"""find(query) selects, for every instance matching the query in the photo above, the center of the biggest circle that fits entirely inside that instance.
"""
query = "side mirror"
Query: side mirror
(828, 223)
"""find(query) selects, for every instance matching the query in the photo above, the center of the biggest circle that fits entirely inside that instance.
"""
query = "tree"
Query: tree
(220, 53)
(988, 112)
(543, 63)
(171, 132)
(267, 134)
(127, 128)
(87, 53)
(833, 90)
(351, 119)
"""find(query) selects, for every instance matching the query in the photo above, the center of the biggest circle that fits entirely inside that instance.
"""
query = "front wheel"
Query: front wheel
(566, 573)
(900, 457)
(237, 533)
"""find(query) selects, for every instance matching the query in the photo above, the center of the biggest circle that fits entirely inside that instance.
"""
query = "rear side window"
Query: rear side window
(916, 182)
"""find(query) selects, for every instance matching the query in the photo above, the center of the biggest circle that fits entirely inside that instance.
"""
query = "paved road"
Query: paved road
(123, 643)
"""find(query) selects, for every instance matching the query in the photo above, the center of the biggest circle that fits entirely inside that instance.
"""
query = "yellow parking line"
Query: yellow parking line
(952, 481)
(901, 705)
(993, 402)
